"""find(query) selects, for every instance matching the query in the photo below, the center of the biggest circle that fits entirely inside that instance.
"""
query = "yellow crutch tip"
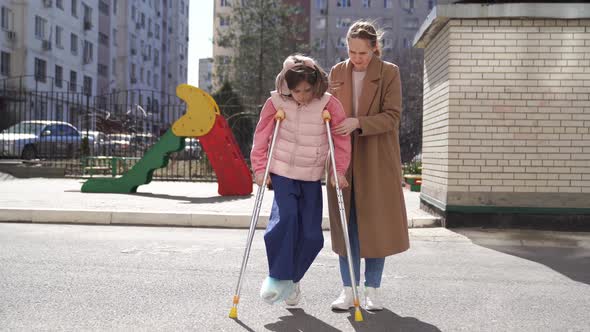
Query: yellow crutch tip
(326, 115)
(233, 313)
(358, 316)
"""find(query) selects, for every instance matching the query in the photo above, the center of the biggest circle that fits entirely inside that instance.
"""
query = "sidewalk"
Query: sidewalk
(158, 203)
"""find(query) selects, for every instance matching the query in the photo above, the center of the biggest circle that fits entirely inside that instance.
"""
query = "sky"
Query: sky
(200, 43)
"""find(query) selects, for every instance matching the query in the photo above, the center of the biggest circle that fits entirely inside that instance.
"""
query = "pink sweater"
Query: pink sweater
(301, 150)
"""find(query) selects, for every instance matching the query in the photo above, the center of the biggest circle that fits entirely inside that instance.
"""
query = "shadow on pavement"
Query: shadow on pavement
(246, 327)
(386, 320)
(300, 321)
(195, 200)
(564, 256)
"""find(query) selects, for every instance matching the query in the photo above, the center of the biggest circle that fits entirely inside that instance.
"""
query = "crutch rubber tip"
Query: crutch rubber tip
(233, 313)
(358, 316)
(280, 115)
(326, 115)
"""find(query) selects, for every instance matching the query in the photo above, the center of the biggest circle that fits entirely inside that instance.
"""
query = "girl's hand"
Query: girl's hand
(260, 178)
(347, 126)
(342, 183)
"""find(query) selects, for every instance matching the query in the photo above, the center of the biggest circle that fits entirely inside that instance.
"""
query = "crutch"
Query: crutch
(358, 316)
(279, 117)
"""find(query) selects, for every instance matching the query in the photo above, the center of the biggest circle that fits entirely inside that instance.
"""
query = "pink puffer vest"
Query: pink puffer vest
(301, 147)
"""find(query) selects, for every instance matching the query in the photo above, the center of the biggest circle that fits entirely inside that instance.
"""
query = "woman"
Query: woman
(370, 91)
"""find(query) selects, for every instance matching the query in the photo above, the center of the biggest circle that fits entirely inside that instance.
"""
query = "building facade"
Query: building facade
(206, 75)
(93, 48)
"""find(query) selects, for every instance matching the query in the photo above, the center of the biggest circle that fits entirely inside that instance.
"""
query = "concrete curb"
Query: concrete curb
(225, 220)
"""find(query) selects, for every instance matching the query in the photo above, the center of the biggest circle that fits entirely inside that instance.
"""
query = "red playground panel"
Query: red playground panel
(233, 175)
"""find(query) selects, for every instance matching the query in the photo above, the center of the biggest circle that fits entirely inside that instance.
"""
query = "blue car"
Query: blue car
(40, 139)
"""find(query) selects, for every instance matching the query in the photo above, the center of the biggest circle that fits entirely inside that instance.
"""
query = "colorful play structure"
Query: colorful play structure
(202, 120)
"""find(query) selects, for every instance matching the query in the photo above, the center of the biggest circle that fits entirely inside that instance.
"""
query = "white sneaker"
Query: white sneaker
(295, 295)
(372, 299)
(345, 300)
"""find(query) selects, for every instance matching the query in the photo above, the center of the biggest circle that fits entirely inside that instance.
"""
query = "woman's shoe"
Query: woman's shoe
(372, 299)
(345, 300)
(295, 296)
(274, 290)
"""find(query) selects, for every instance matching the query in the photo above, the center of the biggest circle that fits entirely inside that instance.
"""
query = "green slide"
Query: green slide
(156, 157)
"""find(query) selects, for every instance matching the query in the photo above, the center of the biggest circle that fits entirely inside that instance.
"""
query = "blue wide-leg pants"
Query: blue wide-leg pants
(294, 236)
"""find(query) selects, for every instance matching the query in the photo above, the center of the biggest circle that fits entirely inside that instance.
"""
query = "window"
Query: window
(40, 70)
(87, 85)
(103, 7)
(223, 21)
(87, 17)
(59, 76)
(73, 79)
(75, 8)
(103, 70)
(321, 23)
(114, 7)
(142, 20)
(7, 19)
(88, 54)
(343, 3)
(181, 8)
(225, 3)
(157, 31)
(59, 31)
(149, 78)
(407, 43)
(411, 23)
(155, 81)
(74, 44)
(156, 57)
(320, 44)
(5, 63)
(40, 27)
(103, 39)
(133, 76)
(141, 75)
(342, 42)
(133, 13)
(320, 4)
(59, 4)
(366, 3)
(408, 5)
(343, 22)
(431, 4)
(115, 37)
(388, 3)
(387, 43)
(114, 67)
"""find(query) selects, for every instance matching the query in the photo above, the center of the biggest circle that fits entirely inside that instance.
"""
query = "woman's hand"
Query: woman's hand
(260, 178)
(347, 126)
(342, 183)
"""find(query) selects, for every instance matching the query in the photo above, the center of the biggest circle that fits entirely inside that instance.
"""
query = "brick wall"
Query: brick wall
(516, 112)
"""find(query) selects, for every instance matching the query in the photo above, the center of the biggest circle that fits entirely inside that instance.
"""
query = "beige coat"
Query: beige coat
(375, 163)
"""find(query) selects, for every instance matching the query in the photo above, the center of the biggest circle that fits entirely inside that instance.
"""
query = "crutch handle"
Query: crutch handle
(280, 115)
(326, 116)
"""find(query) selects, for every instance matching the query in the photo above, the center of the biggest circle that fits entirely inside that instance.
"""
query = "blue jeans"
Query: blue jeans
(294, 236)
(373, 266)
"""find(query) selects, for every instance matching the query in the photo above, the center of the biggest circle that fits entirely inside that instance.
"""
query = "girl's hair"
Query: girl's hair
(366, 30)
(298, 68)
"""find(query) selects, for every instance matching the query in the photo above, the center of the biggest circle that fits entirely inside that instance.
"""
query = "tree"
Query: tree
(261, 33)
(241, 121)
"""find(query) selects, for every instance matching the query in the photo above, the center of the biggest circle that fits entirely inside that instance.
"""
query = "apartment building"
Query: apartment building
(206, 74)
(50, 46)
(94, 48)
(330, 20)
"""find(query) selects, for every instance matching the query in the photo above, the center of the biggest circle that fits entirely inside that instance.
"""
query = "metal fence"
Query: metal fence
(90, 135)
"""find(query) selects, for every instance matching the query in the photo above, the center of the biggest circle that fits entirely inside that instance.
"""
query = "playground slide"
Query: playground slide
(202, 120)
(156, 157)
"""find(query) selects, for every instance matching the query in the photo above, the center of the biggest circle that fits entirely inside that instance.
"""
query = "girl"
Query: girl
(370, 90)
(293, 236)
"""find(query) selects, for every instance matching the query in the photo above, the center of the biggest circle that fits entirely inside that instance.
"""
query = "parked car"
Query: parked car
(40, 139)
(119, 145)
(141, 142)
(192, 149)
(97, 142)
